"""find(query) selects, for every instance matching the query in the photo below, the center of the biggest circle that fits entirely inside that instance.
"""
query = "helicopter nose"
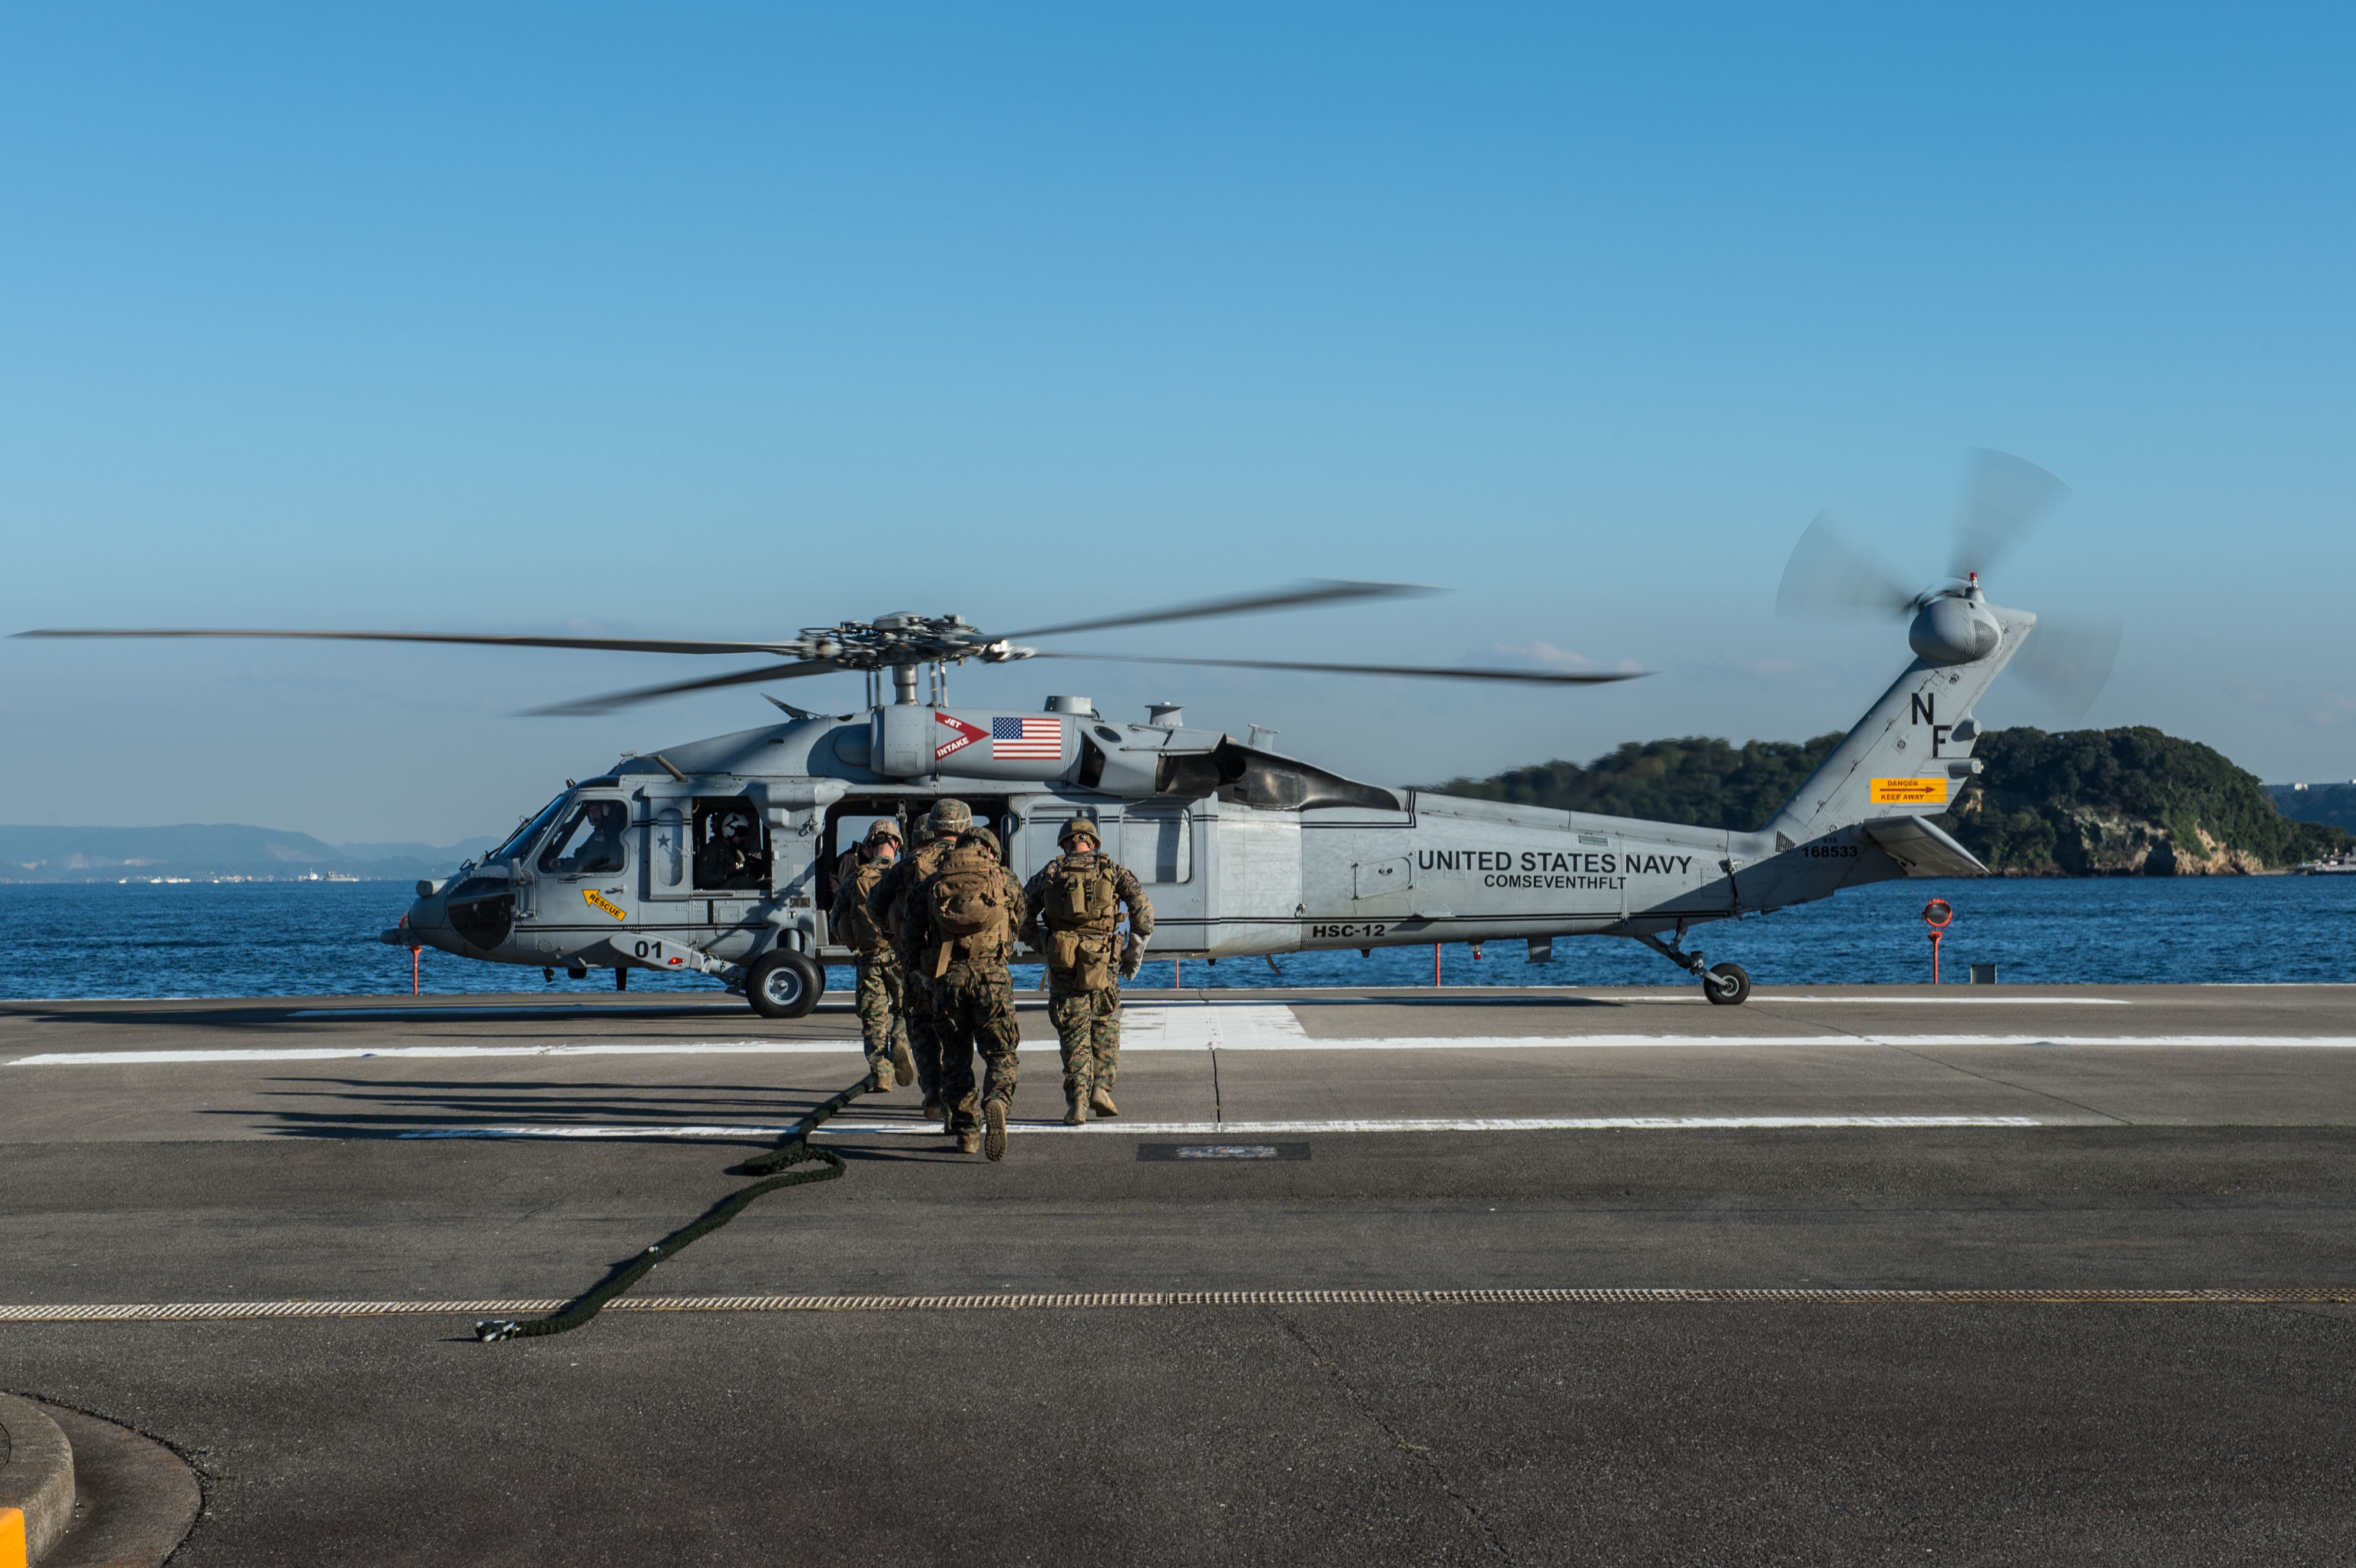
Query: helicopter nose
(426, 923)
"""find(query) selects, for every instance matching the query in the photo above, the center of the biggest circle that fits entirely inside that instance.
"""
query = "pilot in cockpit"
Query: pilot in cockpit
(604, 823)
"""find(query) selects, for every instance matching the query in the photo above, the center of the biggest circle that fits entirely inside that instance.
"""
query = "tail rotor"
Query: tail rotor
(1830, 575)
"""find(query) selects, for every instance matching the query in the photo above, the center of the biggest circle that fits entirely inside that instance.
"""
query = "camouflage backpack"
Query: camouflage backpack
(1083, 915)
(967, 900)
(925, 859)
(862, 934)
(1081, 896)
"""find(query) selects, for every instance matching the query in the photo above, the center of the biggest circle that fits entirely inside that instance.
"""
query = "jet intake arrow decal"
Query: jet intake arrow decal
(963, 735)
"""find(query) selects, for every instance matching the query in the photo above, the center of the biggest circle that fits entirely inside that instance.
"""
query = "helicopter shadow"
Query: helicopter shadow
(433, 1109)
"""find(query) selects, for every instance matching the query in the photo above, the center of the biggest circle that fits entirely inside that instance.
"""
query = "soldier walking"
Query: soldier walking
(1075, 903)
(936, 836)
(882, 1024)
(970, 910)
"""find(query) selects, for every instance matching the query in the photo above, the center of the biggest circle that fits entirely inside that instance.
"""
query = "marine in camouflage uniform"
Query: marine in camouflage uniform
(882, 1023)
(936, 836)
(970, 910)
(1076, 921)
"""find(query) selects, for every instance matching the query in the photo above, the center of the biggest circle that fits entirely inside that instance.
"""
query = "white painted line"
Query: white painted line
(1229, 1039)
(840, 1128)
(353, 1053)
(526, 1010)
(1739, 1042)
(1963, 999)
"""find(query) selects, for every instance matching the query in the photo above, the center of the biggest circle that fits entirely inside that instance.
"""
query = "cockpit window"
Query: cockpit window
(521, 838)
(590, 841)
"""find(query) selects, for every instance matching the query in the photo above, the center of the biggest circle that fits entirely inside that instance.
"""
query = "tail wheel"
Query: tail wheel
(1727, 985)
(784, 985)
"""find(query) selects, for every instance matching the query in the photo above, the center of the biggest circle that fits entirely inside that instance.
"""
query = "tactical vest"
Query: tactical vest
(1081, 896)
(1082, 916)
(966, 897)
(862, 934)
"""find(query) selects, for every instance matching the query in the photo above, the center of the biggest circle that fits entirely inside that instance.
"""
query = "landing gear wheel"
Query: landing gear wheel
(1727, 985)
(784, 985)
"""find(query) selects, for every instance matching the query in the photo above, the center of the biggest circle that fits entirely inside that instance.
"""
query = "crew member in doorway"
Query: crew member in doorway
(727, 861)
(1076, 903)
(970, 910)
(889, 906)
(882, 1024)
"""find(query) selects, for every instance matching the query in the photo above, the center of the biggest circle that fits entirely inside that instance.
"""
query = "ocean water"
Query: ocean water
(312, 938)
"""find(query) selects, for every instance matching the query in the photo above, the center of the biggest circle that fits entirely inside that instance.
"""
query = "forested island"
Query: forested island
(2077, 803)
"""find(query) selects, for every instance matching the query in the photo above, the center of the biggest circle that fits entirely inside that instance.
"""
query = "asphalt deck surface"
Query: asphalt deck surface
(2138, 1138)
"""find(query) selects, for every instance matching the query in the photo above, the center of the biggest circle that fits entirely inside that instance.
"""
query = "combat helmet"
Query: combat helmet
(885, 828)
(1081, 828)
(981, 836)
(949, 818)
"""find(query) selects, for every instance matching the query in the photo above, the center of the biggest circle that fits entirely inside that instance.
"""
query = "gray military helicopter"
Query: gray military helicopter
(722, 855)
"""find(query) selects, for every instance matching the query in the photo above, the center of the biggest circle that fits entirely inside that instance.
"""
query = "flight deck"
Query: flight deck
(1492, 1274)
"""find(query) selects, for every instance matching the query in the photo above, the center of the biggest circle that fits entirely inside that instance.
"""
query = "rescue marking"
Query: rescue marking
(186, 1311)
(597, 900)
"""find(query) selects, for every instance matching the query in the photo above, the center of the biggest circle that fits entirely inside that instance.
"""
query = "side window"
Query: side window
(590, 841)
(1156, 844)
(731, 845)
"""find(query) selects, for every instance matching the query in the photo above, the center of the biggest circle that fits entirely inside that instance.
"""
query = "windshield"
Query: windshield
(590, 841)
(523, 835)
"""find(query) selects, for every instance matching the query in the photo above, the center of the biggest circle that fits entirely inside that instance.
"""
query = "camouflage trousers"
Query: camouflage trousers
(1088, 1023)
(883, 1021)
(923, 1036)
(974, 1008)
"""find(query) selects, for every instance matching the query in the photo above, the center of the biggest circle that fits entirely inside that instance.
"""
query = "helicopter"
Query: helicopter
(721, 857)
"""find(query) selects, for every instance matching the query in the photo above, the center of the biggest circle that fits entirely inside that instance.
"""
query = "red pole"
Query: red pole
(1934, 958)
(414, 955)
(1435, 963)
(1177, 975)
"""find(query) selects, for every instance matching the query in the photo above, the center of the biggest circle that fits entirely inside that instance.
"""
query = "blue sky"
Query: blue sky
(727, 321)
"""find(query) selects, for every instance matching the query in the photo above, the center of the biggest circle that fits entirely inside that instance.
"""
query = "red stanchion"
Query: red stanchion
(1435, 964)
(1936, 915)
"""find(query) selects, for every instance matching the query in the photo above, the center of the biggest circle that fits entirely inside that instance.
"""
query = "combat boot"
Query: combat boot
(994, 1144)
(932, 1108)
(1102, 1102)
(1075, 1111)
(968, 1142)
(903, 1066)
(880, 1074)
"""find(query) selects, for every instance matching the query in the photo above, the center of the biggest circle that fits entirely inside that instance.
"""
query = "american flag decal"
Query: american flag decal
(1026, 740)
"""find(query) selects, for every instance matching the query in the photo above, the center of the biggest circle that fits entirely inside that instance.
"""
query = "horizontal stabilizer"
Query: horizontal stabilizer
(1922, 847)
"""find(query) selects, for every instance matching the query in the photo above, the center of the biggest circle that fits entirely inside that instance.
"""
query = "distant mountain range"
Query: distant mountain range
(215, 852)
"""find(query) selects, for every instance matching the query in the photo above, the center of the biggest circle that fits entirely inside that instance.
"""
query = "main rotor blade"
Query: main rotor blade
(1317, 590)
(1831, 574)
(2003, 498)
(2069, 661)
(618, 644)
(1422, 672)
(612, 700)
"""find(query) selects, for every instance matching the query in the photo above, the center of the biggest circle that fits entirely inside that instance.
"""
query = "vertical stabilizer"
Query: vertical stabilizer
(1912, 752)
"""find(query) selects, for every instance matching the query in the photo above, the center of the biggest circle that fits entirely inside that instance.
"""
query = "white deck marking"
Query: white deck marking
(1577, 1295)
(1187, 1028)
(840, 1128)
(529, 1010)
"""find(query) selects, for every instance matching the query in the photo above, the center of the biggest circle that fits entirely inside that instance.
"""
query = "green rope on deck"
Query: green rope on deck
(792, 1150)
